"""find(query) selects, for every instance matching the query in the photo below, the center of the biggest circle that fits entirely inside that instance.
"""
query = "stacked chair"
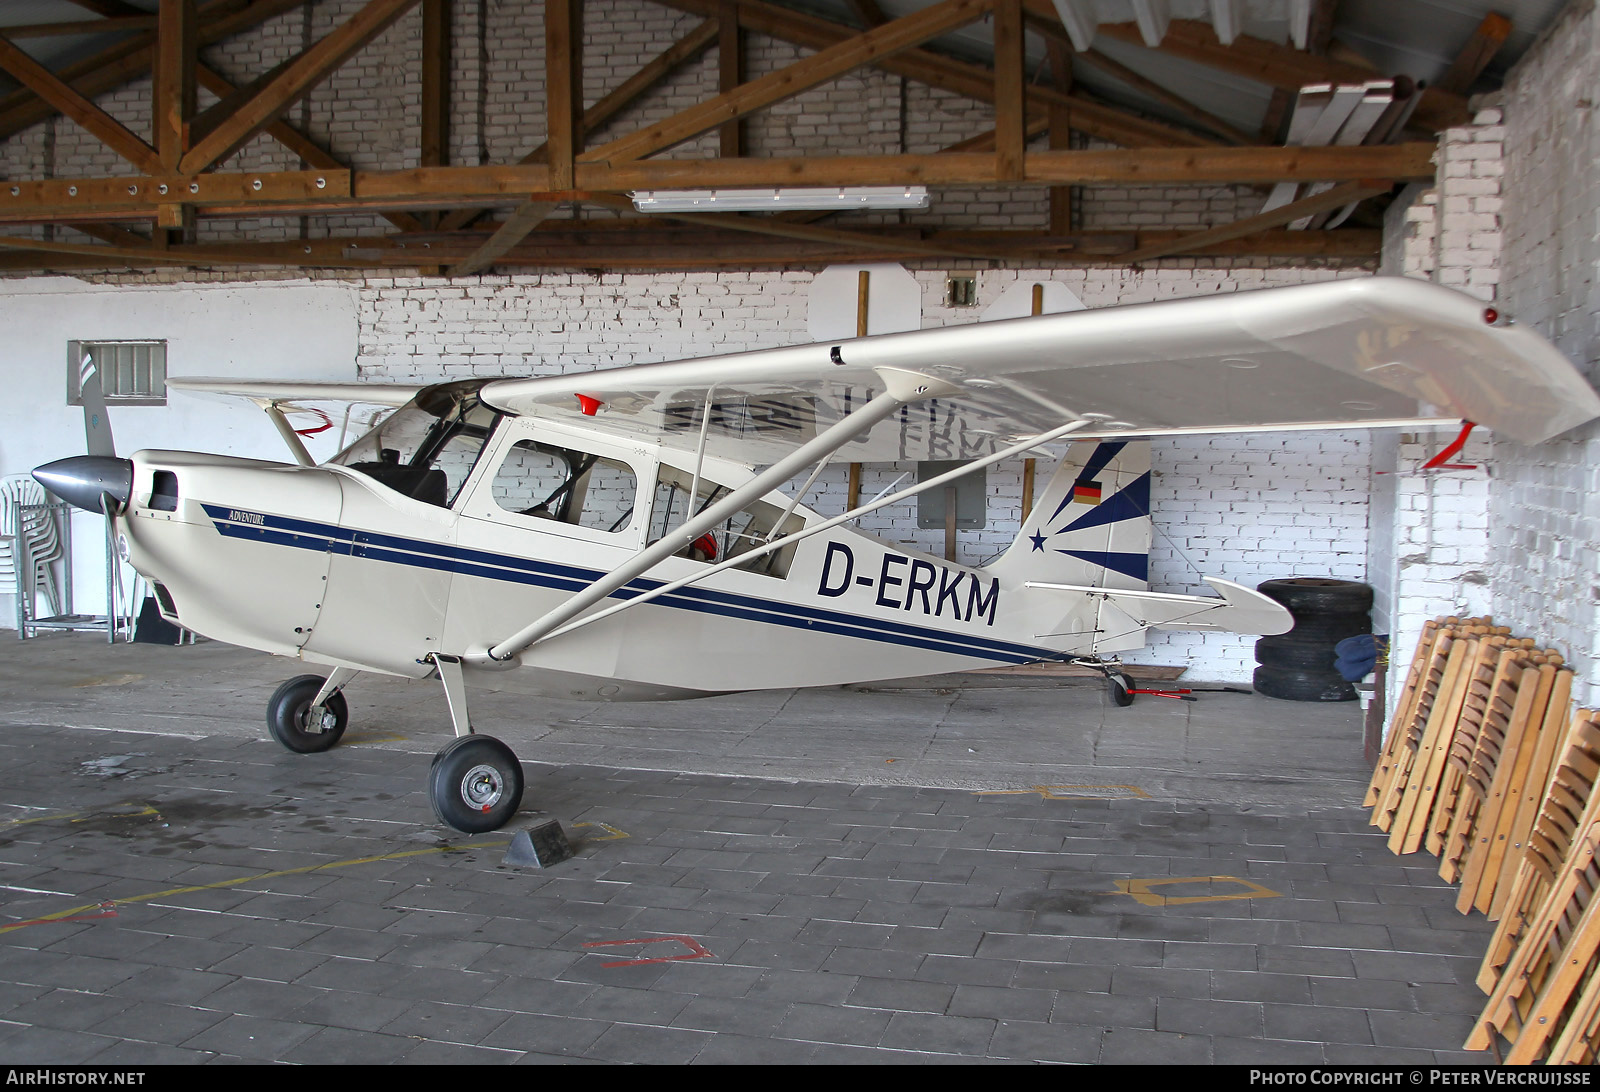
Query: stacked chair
(1487, 768)
(28, 531)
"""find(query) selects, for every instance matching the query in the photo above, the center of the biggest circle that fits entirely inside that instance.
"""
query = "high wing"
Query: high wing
(1348, 353)
(288, 393)
(277, 398)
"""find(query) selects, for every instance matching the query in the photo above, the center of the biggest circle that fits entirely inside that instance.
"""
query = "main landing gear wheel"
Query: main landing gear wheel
(291, 721)
(475, 784)
(1120, 686)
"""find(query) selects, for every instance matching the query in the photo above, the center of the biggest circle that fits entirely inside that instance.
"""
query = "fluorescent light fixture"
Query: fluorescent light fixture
(842, 197)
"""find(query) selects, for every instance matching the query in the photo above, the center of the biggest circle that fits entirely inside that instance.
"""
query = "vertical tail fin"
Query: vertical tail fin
(1091, 525)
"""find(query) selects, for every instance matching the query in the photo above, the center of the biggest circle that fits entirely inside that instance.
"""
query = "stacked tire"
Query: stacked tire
(1298, 665)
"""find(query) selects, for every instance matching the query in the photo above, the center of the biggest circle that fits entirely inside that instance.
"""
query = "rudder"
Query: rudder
(1091, 525)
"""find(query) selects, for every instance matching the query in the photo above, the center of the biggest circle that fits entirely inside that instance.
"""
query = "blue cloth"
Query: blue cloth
(1355, 657)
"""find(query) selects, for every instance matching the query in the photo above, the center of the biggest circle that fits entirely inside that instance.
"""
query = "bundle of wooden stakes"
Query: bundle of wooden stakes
(1484, 768)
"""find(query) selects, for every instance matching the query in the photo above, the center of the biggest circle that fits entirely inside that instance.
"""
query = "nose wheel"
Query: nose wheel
(298, 723)
(475, 784)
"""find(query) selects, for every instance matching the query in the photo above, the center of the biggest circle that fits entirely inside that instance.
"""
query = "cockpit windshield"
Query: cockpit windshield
(426, 448)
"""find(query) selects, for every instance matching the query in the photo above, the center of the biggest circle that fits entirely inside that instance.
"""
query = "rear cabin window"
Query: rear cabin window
(753, 527)
(573, 487)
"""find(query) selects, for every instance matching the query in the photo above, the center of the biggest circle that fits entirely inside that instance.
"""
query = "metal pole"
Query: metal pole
(880, 501)
(824, 443)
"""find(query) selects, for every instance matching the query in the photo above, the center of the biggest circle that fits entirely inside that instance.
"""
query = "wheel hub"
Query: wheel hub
(317, 719)
(482, 788)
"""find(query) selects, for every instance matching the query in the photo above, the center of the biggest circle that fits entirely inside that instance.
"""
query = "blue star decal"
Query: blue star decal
(1037, 540)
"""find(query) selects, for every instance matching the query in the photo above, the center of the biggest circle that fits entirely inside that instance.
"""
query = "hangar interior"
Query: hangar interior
(563, 281)
(426, 190)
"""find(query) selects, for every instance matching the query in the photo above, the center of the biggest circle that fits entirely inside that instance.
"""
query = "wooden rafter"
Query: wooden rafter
(658, 68)
(1272, 64)
(435, 135)
(563, 79)
(114, 235)
(1475, 56)
(1141, 166)
(173, 89)
(63, 97)
(950, 74)
(108, 8)
(730, 74)
(631, 244)
(82, 26)
(668, 61)
(314, 154)
(1149, 87)
(118, 64)
(1338, 197)
(868, 13)
(1059, 124)
(527, 217)
(828, 64)
(250, 193)
(293, 82)
(1010, 104)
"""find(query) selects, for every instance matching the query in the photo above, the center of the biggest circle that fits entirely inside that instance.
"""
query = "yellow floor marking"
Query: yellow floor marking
(358, 739)
(84, 817)
(76, 910)
(1073, 792)
(612, 837)
(1140, 890)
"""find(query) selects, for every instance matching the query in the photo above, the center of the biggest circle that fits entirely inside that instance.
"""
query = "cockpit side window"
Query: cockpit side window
(579, 488)
(424, 455)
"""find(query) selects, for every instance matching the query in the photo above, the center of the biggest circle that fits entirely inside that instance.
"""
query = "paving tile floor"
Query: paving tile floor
(171, 894)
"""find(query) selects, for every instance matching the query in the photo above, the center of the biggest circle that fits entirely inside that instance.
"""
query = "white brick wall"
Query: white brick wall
(1545, 516)
(1430, 551)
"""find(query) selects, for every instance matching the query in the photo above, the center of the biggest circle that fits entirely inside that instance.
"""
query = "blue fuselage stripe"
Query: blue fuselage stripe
(306, 535)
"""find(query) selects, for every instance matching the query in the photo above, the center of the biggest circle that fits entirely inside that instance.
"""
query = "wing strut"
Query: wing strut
(882, 499)
(901, 387)
(290, 437)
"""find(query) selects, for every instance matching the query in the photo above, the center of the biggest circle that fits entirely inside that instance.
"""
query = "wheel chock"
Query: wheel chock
(540, 846)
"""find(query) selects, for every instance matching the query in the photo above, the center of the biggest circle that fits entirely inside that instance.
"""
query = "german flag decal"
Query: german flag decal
(1085, 491)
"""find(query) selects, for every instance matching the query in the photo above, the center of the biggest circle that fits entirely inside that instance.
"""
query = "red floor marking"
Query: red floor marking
(696, 950)
(107, 910)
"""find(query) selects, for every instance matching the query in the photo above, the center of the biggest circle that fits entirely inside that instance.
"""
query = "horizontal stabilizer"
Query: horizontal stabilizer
(1240, 610)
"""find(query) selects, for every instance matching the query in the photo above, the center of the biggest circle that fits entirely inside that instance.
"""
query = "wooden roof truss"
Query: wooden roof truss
(565, 195)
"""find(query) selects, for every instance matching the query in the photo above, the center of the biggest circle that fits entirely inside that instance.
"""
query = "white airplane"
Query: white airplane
(620, 534)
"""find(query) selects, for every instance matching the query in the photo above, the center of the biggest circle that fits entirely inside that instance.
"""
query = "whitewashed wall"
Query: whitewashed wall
(293, 330)
(1544, 556)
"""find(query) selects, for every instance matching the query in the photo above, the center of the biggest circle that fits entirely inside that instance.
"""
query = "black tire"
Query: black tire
(1296, 655)
(1290, 685)
(289, 710)
(1120, 687)
(1313, 595)
(1330, 629)
(475, 784)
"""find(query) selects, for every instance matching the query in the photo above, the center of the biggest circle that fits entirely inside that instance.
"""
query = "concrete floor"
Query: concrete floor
(919, 872)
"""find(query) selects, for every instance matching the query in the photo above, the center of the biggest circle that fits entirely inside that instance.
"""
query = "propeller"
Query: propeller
(98, 481)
